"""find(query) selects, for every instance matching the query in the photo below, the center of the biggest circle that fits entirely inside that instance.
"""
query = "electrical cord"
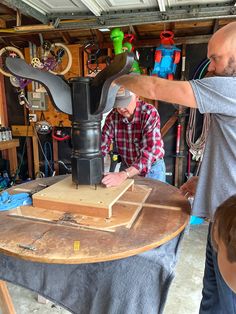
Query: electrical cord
(45, 157)
(48, 152)
(196, 147)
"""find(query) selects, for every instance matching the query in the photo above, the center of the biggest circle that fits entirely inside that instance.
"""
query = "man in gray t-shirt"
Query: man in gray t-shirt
(217, 179)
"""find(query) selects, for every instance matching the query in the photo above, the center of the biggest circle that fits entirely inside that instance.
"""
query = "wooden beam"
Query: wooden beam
(66, 37)
(172, 26)
(2, 23)
(55, 156)
(6, 304)
(168, 125)
(215, 26)
(18, 18)
(100, 36)
(32, 28)
(3, 41)
(3, 111)
(156, 42)
(3, 105)
(133, 30)
(178, 41)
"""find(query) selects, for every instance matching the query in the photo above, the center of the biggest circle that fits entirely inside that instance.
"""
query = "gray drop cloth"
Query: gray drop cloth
(133, 285)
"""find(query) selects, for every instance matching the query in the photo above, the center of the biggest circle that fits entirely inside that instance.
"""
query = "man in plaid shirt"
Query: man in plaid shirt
(134, 129)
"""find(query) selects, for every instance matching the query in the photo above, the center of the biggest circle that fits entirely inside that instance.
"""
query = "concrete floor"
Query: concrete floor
(185, 293)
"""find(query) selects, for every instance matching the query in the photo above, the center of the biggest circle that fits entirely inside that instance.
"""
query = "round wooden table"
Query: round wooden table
(69, 245)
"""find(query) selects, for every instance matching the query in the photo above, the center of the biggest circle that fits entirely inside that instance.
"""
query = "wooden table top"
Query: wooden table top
(74, 245)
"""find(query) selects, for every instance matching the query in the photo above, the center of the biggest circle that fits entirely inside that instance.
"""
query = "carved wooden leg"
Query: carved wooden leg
(5, 299)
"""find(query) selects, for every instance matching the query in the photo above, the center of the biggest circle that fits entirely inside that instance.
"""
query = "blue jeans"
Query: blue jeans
(217, 297)
(158, 171)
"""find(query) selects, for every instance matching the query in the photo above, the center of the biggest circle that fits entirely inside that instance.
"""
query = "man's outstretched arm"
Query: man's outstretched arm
(152, 87)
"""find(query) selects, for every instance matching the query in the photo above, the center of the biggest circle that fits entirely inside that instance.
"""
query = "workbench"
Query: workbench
(79, 255)
(10, 147)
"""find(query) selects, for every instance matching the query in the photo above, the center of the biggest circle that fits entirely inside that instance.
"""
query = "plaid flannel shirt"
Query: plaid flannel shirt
(138, 141)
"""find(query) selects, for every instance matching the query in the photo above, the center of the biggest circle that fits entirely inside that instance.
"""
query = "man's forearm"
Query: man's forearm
(152, 87)
(138, 84)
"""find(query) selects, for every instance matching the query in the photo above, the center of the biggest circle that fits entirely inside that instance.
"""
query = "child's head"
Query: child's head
(224, 240)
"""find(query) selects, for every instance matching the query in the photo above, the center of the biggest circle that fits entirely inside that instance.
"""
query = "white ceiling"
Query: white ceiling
(96, 14)
(97, 7)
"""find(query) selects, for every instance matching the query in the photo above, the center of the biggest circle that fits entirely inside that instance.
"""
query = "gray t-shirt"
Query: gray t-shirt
(217, 178)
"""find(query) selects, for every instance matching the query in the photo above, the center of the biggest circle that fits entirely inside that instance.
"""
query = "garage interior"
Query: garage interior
(85, 27)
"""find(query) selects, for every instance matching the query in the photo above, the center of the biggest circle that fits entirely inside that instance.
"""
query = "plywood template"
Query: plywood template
(123, 214)
(86, 200)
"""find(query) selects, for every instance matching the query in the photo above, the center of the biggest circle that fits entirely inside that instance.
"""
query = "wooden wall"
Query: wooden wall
(53, 116)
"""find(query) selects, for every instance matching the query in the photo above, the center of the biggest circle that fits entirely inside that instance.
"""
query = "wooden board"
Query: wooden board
(85, 200)
(123, 214)
(9, 144)
(22, 130)
(137, 195)
(5, 299)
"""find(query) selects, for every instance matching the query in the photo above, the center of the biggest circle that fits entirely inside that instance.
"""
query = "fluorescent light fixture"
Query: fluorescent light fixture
(34, 6)
(93, 6)
(104, 30)
(162, 6)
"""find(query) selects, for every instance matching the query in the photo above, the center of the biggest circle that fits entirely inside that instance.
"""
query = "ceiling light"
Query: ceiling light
(104, 30)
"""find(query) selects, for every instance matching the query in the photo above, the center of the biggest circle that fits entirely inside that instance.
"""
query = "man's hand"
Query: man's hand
(188, 189)
(114, 178)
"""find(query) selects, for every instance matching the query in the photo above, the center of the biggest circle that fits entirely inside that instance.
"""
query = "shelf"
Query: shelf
(10, 147)
(9, 144)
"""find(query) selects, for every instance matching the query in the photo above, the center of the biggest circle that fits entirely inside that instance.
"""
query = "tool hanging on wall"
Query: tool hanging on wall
(93, 52)
(43, 127)
(61, 133)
